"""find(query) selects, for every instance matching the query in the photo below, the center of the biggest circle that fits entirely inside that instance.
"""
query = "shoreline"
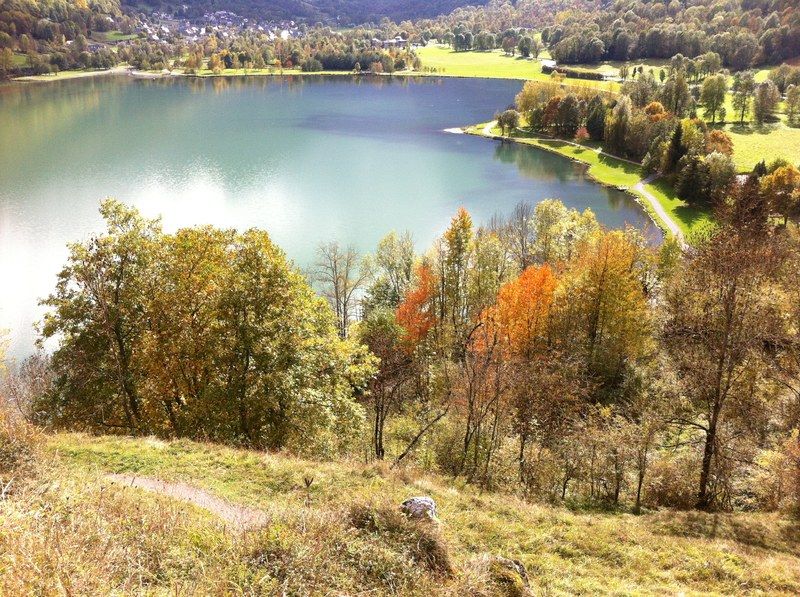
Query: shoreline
(140, 74)
(130, 71)
(646, 200)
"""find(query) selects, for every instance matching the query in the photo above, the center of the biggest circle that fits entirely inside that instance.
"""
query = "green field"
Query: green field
(72, 74)
(494, 64)
(112, 36)
(333, 528)
(752, 144)
(611, 67)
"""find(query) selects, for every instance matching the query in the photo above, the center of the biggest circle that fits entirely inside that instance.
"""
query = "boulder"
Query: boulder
(419, 507)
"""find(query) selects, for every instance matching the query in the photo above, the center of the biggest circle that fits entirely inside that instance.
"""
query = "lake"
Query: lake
(310, 159)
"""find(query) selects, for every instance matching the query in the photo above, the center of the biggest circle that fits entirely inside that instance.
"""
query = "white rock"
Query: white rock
(419, 507)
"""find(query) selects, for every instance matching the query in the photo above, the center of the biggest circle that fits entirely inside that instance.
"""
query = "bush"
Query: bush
(673, 480)
(18, 441)
(311, 65)
(420, 539)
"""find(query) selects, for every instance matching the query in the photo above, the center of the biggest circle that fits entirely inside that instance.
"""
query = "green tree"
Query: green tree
(792, 103)
(508, 120)
(766, 101)
(743, 88)
(524, 46)
(712, 95)
(98, 311)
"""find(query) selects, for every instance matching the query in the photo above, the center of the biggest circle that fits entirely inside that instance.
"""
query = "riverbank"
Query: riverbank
(671, 214)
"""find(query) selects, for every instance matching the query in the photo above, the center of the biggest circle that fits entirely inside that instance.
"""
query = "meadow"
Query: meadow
(74, 525)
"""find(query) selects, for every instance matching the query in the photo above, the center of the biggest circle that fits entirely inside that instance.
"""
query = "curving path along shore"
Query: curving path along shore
(655, 204)
(639, 188)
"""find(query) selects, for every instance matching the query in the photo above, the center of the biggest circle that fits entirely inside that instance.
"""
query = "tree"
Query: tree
(792, 103)
(381, 333)
(342, 275)
(721, 315)
(557, 231)
(509, 46)
(454, 274)
(6, 61)
(766, 101)
(675, 95)
(417, 312)
(98, 309)
(602, 309)
(508, 120)
(215, 64)
(713, 95)
(782, 190)
(720, 176)
(521, 315)
(535, 94)
(202, 333)
(617, 125)
(519, 230)
(392, 270)
(568, 116)
(536, 47)
(676, 149)
(596, 118)
(743, 88)
(524, 46)
(719, 140)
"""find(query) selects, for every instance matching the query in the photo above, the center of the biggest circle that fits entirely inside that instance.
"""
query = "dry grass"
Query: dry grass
(335, 528)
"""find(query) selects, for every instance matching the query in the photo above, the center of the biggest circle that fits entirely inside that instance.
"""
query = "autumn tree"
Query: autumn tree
(602, 310)
(722, 314)
(202, 333)
(381, 333)
(782, 190)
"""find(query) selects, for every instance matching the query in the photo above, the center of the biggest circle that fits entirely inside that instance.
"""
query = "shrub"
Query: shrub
(18, 442)
(420, 539)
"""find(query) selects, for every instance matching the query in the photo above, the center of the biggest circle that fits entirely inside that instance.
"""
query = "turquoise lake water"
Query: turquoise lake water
(308, 159)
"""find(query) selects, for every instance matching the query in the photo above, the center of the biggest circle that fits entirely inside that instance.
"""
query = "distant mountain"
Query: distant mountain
(341, 12)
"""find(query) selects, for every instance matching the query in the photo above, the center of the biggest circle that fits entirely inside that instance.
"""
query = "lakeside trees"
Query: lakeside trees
(537, 352)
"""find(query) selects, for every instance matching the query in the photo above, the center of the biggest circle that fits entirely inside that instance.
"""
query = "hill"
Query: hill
(89, 517)
(340, 12)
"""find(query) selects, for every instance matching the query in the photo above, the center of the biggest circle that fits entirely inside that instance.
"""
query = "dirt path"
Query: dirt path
(639, 187)
(239, 516)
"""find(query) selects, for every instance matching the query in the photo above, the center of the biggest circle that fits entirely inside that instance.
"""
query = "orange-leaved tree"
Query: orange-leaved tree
(416, 312)
(523, 310)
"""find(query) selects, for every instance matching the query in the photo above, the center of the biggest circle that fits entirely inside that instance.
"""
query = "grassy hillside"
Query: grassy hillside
(334, 528)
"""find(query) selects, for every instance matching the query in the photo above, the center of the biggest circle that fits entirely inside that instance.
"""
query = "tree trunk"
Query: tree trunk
(703, 499)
